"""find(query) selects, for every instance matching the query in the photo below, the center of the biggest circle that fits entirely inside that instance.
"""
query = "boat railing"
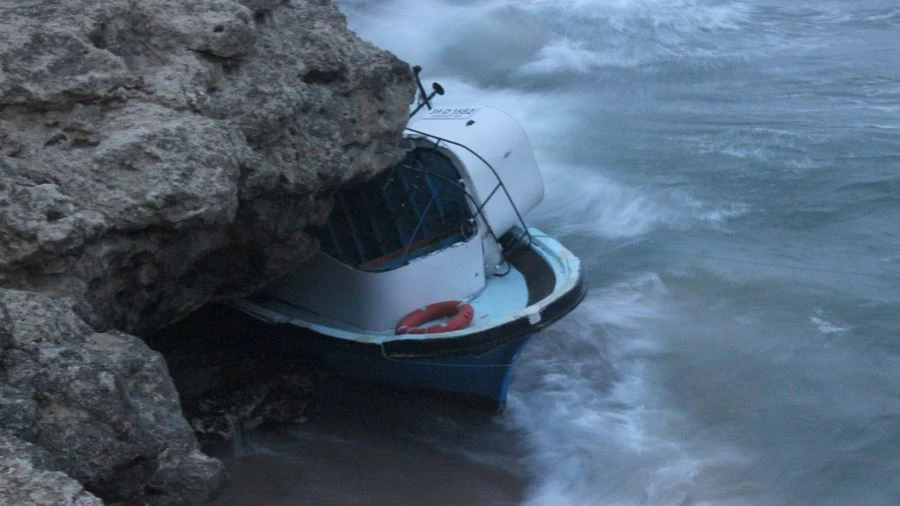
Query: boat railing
(479, 207)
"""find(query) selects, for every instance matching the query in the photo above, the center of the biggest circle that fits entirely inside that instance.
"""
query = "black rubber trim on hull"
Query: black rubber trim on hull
(476, 343)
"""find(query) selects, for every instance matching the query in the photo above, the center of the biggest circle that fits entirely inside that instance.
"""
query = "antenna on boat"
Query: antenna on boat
(425, 98)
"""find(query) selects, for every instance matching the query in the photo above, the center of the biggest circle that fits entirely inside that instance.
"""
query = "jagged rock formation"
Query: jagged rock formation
(101, 405)
(30, 476)
(156, 155)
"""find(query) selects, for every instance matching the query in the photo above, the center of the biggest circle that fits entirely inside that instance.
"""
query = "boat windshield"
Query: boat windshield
(416, 207)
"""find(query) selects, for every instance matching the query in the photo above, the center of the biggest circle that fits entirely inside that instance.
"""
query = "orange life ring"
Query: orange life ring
(460, 315)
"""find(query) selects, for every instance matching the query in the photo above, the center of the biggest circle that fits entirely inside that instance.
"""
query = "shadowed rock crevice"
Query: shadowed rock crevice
(156, 156)
(316, 76)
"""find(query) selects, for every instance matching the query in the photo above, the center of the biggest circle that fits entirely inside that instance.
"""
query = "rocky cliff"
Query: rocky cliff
(156, 155)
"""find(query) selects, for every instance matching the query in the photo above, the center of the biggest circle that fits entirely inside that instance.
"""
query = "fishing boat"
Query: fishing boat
(428, 276)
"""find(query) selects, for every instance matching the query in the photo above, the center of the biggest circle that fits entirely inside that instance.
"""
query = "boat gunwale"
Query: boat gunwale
(561, 300)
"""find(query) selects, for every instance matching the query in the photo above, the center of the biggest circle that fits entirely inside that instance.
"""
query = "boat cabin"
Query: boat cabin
(427, 229)
(415, 208)
(439, 235)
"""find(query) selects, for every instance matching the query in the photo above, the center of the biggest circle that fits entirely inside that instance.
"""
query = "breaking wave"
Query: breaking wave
(593, 412)
(582, 201)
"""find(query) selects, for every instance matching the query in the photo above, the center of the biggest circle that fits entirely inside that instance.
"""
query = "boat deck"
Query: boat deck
(539, 274)
(502, 297)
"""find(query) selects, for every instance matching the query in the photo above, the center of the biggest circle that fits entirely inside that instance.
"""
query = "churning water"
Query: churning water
(729, 172)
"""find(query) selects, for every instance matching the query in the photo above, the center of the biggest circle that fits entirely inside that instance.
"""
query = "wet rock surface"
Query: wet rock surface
(223, 415)
(99, 414)
(30, 476)
(156, 156)
(233, 376)
(100, 407)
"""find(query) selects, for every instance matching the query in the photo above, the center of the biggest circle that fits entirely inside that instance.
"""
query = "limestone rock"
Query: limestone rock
(155, 156)
(160, 154)
(101, 405)
(29, 476)
(18, 412)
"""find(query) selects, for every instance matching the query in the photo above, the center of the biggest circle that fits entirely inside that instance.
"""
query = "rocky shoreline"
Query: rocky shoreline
(232, 377)
(155, 157)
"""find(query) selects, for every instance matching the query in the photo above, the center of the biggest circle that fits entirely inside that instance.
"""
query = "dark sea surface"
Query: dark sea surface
(729, 172)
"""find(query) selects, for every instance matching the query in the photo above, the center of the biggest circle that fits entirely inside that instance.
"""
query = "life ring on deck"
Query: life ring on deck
(459, 316)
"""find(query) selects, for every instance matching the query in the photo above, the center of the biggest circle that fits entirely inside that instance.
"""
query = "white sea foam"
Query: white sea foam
(766, 145)
(413, 31)
(591, 410)
(582, 201)
(515, 39)
(602, 207)
(824, 326)
(564, 55)
(685, 15)
(624, 33)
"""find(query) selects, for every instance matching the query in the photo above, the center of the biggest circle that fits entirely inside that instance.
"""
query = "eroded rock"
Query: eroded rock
(156, 156)
(28, 475)
(101, 405)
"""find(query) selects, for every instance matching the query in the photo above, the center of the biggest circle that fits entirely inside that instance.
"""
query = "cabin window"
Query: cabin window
(417, 207)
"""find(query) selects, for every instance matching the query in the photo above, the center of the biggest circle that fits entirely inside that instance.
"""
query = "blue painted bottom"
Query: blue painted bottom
(483, 378)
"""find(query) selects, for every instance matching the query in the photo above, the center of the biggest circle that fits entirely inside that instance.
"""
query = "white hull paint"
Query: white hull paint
(376, 301)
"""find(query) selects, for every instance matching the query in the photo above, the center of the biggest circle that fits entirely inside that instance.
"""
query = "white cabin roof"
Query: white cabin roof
(500, 142)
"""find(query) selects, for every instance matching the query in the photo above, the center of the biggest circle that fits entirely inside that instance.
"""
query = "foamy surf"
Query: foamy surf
(593, 412)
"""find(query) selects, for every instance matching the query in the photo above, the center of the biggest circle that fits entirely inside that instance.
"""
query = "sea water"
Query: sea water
(729, 173)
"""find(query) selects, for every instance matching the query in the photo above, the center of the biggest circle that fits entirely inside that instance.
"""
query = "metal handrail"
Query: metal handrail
(496, 176)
